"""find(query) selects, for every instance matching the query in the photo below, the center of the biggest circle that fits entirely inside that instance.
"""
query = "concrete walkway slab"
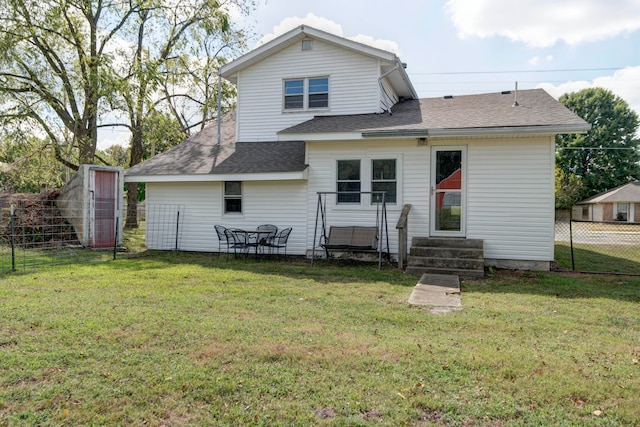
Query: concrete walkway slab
(439, 292)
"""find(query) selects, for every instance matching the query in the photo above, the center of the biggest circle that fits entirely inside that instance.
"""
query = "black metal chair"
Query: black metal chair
(280, 242)
(238, 240)
(266, 239)
(222, 238)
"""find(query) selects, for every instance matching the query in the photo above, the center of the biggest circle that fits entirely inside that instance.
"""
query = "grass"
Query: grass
(191, 339)
(599, 258)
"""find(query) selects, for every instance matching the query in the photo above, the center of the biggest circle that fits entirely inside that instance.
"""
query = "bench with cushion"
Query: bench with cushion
(352, 238)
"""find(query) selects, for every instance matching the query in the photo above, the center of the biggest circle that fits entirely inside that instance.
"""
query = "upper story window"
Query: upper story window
(306, 94)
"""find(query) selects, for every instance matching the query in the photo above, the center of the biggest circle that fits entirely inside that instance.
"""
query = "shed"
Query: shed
(92, 202)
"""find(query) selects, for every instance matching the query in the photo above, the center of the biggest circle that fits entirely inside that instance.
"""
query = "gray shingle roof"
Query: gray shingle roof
(201, 154)
(625, 193)
(485, 111)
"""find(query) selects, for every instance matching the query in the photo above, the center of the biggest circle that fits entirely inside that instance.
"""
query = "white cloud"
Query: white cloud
(536, 60)
(328, 26)
(542, 23)
(623, 83)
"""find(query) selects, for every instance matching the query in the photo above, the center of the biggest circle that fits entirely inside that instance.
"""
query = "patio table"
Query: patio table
(256, 234)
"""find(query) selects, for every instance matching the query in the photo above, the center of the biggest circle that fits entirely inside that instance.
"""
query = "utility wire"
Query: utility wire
(558, 70)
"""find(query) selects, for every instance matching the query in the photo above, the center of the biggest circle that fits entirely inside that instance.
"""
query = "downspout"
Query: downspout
(382, 76)
(219, 106)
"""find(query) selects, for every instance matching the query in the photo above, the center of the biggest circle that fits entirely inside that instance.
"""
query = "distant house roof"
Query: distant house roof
(536, 111)
(626, 193)
(389, 61)
(200, 155)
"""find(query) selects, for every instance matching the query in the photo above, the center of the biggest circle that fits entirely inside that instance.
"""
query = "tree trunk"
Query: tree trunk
(132, 187)
(132, 206)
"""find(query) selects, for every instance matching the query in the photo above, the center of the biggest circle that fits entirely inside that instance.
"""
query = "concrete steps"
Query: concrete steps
(436, 255)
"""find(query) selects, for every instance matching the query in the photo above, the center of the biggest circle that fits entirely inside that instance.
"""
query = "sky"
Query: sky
(458, 47)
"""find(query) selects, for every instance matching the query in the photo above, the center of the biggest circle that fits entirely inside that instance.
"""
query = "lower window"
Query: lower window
(348, 184)
(383, 178)
(233, 196)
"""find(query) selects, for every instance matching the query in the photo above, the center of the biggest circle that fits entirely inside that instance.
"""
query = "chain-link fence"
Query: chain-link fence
(38, 230)
(598, 247)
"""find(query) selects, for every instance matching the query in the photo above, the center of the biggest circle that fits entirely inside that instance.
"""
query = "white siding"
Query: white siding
(412, 177)
(510, 186)
(353, 87)
(282, 203)
(510, 198)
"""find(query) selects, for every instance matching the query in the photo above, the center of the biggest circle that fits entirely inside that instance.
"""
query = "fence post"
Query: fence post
(115, 240)
(13, 240)
(573, 264)
(177, 228)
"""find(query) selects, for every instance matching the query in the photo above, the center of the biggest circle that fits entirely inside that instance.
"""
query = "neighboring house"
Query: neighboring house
(619, 204)
(320, 113)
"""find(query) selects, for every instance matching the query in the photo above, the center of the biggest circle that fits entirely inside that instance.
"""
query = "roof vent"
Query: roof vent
(515, 98)
(448, 97)
(404, 65)
(505, 92)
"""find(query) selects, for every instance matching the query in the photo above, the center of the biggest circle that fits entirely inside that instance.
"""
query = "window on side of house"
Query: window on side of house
(622, 211)
(233, 197)
(348, 180)
(306, 94)
(383, 178)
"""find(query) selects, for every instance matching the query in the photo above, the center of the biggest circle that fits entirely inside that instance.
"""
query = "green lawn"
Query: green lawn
(190, 339)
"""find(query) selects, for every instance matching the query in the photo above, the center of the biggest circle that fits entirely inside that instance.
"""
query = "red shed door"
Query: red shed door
(104, 209)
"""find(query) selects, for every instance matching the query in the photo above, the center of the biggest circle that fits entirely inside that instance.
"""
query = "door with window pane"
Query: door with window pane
(448, 198)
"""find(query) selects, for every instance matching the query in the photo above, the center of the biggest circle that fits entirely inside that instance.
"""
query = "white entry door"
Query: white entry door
(448, 191)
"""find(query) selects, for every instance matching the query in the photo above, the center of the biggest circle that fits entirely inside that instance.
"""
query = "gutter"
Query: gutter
(417, 133)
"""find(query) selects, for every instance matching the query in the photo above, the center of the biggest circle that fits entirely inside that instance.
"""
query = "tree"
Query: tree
(67, 65)
(164, 44)
(568, 189)
(25, 165)
(608, 154)
(53, 54)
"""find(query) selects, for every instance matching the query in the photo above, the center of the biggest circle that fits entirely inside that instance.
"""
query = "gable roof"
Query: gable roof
(200, 157)
(536, 111)
(625, 193)
(391, 63)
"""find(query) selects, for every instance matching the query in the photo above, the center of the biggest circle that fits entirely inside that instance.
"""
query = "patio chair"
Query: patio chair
(238, 240)
(280, 242)
(265, 239)
(222, 238)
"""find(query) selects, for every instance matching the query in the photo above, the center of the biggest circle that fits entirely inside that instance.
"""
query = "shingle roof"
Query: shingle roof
(201, 154)
(486, 111)
(625, 193)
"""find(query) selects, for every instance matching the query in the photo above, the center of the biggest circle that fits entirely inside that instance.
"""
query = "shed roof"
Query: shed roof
(627, 193)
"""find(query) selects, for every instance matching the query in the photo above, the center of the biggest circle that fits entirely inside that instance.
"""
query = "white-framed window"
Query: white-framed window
(348, 180)
(306, 93)
(233, 197)
(621, 212)
(383, 178)
(369, 173)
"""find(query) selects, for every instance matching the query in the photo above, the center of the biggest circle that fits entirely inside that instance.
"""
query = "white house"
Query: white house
(320, 113)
